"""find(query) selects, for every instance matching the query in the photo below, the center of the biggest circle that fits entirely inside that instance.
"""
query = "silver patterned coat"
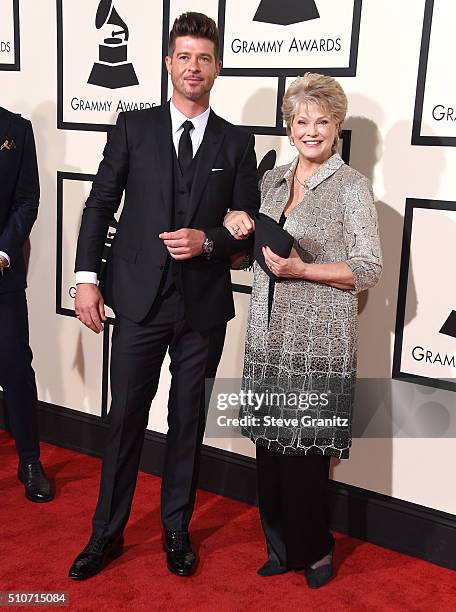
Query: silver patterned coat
(303, 358)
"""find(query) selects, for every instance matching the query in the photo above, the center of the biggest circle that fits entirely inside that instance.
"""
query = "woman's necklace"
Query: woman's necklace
(303, 185)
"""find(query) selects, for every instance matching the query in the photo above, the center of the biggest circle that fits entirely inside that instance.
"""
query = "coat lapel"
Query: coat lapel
(209, 148)
(5, 120)
(164, 153)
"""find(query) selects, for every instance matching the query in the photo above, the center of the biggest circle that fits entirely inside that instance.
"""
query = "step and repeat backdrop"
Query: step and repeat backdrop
(71, 67)
(9, 36)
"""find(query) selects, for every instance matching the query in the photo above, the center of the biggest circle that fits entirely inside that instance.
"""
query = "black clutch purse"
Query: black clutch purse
(269, 233)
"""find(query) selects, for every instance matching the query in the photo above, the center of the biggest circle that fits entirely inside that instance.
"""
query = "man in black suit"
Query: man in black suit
(19, 198)
(167, 279)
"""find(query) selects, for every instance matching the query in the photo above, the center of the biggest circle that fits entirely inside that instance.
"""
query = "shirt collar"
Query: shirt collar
(328, 168)
(178, 118)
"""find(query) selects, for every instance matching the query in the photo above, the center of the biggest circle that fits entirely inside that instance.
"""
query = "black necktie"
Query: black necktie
(185, 151)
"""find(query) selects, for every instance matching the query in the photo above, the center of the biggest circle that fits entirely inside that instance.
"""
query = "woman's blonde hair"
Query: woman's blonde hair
(318, 89)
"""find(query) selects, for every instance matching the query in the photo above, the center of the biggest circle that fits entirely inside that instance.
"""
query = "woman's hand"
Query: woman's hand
(239, 224)
(291, 267)
(337, 274)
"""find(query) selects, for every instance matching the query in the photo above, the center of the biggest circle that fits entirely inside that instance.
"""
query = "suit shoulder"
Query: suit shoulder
(155, 113)
(234, 130)
(15, 118)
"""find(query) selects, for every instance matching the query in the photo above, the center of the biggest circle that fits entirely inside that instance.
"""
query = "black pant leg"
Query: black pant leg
(138, 351)
(17, 377)
(305, 509)
(194, 357)
(268, 479)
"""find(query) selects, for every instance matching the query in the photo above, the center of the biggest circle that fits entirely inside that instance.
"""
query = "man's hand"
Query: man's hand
(291, 267)
(184, 243)
(3, 264)
(89, 306)
(239, 224)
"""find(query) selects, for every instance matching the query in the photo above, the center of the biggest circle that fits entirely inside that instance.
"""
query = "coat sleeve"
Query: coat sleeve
(245, 197)
(104, 199)
(26, 199)
(361, 236)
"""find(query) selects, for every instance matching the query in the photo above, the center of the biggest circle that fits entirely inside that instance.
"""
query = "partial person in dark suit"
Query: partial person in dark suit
(19, 199)
(167, 279)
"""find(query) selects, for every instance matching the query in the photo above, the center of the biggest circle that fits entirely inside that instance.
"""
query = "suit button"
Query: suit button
(182, 191)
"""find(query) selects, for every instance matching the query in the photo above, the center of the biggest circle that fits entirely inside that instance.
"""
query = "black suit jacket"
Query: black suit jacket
(19, 195)
(138, 158)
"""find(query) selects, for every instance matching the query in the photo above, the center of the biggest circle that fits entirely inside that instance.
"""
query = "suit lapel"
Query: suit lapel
(210, 146)
(5, 120)
(164, 152)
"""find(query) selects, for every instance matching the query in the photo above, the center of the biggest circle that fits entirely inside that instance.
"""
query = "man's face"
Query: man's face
(193, 68)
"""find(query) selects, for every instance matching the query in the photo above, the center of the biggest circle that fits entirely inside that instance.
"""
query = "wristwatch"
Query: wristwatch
(208, 247)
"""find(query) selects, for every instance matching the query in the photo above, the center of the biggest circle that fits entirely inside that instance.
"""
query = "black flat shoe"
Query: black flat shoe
(319, 576)
(95, 556)
(180, 558)
(272, 568)
(38, 487)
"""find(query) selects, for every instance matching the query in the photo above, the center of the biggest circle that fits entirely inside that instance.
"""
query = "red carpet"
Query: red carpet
(40, 541)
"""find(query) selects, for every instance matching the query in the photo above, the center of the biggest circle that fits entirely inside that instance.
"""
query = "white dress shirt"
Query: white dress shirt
(196, 134)
(199, 125)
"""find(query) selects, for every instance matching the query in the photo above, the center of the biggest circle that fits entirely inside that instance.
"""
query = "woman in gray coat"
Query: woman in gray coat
(300, 352)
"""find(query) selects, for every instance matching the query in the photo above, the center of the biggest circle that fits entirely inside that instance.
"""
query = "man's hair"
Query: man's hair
(196, 25)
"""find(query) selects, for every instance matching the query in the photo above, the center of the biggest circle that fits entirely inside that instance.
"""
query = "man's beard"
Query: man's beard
(195, 94)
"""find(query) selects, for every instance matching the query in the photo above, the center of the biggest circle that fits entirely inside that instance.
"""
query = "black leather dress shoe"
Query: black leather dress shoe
(37, 485)
(95, 556)
(180, 558)
(272, 568)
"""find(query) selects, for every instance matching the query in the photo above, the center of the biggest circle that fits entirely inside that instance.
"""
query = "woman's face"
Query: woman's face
(313, 132)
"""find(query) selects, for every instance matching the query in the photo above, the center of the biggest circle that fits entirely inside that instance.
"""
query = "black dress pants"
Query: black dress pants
(293, 505)
(138, 350)
(17, 377)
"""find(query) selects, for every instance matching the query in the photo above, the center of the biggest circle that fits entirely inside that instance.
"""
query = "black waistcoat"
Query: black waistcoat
(182, 187)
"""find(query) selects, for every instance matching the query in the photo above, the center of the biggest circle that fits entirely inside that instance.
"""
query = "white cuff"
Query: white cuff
(86, 277)
(3, 254)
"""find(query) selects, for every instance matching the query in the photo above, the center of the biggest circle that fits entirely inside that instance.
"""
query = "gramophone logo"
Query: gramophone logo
(288, 37)
(286, 12)
(449, 327)
(424, 347)
(113, 69)
(109, 59)
(435, 110)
